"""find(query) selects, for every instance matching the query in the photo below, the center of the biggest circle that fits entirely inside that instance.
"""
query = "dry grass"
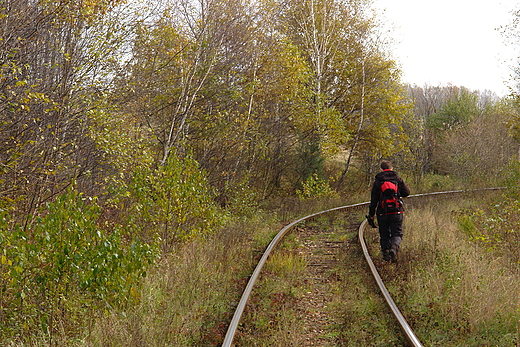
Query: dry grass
(188, 300)
(453, 292)
(457, 291)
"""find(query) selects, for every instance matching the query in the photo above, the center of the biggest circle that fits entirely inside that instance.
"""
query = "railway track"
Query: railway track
(321, 252)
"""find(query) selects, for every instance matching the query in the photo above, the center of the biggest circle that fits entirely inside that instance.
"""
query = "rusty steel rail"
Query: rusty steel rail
(412, 339)
(408, 332)
(228, 340)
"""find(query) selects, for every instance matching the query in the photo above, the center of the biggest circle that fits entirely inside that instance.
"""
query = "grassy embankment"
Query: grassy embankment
(453, 290)
(459, 291)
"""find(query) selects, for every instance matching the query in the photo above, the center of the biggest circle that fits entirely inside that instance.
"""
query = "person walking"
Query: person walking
(385, 201)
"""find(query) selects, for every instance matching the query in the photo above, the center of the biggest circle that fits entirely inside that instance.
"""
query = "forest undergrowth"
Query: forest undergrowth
(452, 290)
(456, 280)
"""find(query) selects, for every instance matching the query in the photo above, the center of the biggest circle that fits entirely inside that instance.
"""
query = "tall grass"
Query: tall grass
(453, 291)
(188, 300)
(457, 292)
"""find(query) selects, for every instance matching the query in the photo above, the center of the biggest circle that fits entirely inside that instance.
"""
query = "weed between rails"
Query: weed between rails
(316, 291)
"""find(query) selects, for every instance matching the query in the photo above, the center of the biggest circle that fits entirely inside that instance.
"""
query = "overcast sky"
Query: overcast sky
(451, 41)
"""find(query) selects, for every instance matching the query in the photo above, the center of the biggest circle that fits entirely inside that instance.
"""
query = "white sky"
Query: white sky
(451, 41)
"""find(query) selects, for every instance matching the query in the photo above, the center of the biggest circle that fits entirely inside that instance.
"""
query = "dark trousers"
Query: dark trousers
(390, 231)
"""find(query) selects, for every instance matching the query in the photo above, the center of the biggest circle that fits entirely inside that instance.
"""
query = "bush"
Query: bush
(64, 265)
(315, 187)
(172, 203)
(496, 229)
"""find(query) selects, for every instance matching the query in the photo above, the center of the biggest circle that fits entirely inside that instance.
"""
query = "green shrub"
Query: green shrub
(316, 187)
(172, 203)
(63, 266)
(496, 229)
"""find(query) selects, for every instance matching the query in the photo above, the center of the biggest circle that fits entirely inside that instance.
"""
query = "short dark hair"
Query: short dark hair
(386, 165)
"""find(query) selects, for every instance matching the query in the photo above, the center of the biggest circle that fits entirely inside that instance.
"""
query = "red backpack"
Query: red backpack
(390, 201)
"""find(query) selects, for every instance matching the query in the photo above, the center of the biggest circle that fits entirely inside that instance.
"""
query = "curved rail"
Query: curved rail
(233, 326)
(410, 336)
(228, 340)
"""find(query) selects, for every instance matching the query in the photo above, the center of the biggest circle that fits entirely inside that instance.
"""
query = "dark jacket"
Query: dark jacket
(387, 175)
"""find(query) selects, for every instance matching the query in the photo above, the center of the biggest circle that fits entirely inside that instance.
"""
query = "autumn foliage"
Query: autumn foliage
(128, 128)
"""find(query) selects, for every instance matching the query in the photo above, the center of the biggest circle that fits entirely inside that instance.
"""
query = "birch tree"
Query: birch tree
(51, 54)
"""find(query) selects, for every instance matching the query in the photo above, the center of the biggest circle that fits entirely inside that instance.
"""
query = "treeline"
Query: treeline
(258, 93)
(127, 127)
(466, 134)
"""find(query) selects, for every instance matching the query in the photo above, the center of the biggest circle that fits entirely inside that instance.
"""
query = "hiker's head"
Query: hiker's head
(386, 165)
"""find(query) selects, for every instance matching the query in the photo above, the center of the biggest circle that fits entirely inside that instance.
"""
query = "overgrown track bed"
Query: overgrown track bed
(309, 304)
(324, 254)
